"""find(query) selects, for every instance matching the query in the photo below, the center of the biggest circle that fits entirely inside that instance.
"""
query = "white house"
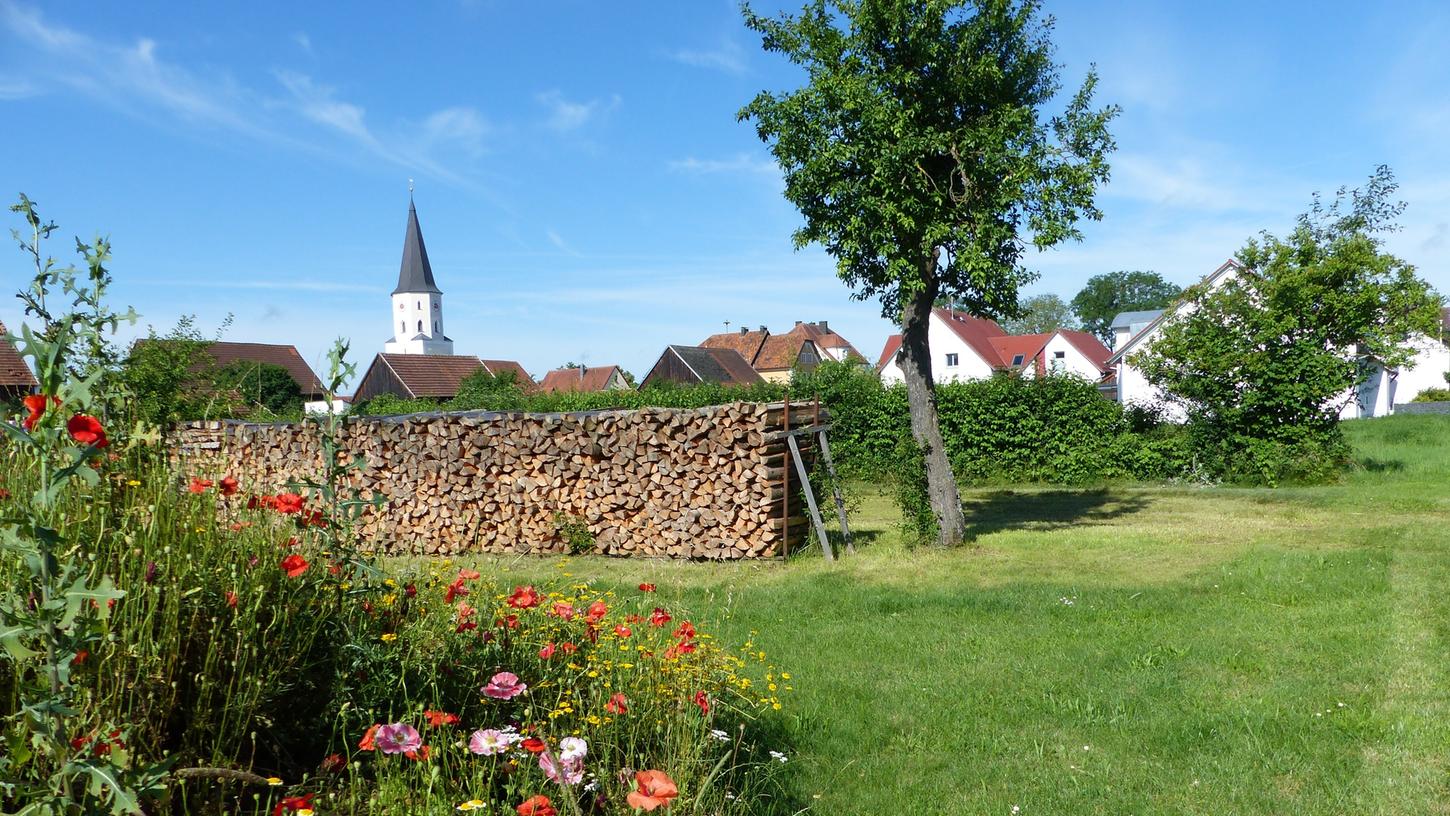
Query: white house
(417, 301)
(964, 347)
(1136, 331)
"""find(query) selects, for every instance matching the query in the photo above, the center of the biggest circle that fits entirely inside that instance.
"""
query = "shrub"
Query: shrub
(1433, 395)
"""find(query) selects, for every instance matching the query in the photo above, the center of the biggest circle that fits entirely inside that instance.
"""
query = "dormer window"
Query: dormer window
(1017, 360)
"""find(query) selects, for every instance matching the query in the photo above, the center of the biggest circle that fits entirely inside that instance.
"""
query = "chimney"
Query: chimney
(798, 322)
(822, 324)
(762, 328)
(744, 330)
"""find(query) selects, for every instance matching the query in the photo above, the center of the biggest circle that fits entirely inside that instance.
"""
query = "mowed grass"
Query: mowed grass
(1119, 650)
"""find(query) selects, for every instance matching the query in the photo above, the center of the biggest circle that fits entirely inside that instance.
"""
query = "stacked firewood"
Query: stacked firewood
(698, 483)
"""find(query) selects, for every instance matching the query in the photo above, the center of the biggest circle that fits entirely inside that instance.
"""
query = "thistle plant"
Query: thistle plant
(55, 615)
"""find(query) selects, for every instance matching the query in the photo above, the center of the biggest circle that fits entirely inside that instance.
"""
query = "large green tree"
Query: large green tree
(1263, 361)
(260, 386)
(1108, 295)
(922, 155)
(1039, 314)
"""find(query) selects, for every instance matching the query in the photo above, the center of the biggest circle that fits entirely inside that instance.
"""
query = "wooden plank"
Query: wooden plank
(811, 501)
(836, 491)
(775, 436)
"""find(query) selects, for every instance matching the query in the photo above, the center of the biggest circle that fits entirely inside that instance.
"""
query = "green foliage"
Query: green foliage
(574, 531)
(918, 151)
(171, 378)
(1040, 314)
(1106, 296)
(261, 386)
(493, 394)
(1263, 363)
(1433, 395)
(496, 392)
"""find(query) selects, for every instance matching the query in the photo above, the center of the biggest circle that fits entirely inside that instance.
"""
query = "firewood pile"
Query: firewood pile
(707, 483)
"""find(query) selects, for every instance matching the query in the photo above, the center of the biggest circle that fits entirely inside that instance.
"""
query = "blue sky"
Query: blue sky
(583, 186)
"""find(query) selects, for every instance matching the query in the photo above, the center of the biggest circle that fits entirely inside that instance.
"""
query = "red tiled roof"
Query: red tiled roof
(825, 338)
(1091, 347)
(496, 367)
(976, 332)
(431, 375)
(1008, 346)
(779, 352)
(13, 371)
(888, 353)
(746, 343)
(589, 378)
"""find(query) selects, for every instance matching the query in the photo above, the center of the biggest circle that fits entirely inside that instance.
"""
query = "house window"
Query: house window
(1017, 360)
(951, 360)
(1059, 361)
(1061, 355)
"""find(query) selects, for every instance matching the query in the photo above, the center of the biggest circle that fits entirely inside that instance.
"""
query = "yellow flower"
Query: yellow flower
(471, 804)
(274, 781)
(304, 812)
(388, 637)
(133, 482)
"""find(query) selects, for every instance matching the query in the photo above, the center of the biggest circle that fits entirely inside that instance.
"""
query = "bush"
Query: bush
(1433, 395)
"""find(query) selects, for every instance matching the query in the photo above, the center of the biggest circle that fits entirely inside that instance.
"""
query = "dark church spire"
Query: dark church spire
(415, 276)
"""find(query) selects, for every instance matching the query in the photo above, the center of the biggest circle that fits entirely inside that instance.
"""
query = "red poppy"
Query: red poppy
(568, 648)
(659, 617)
(232, 599)
(537, 806)
(333, 763)
(563, 610)
(294, 565)
(253, 502)
(524, 597)
(292, 804)
(438, 719)
(291, 542)
(534, 745)
(80, 657)
(409, 591)
(703, 701)
(652, 789)
(681, 648)
(685, 630)
(465, 626)
(334, 569)
(368, 742)
(35, 405)
(87, 430)
(622, 631)
(597, 611)
(510, 622)
(547, 652)
(287, 503)
(421, 753)
(469, 575)
(454, 590)
(228, 486)
(618, 704)
(198, 485)
(646, 587)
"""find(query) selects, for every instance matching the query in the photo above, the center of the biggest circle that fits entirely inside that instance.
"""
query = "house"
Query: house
(15, 378)
(693, 365)
(966, 347)
(830, 345)
(226, 353)
(1376, 396)
(417, 314)
(772, 356)
(429, 376)
(584, 378)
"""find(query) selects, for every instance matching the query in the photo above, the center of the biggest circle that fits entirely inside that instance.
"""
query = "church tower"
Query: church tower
(417, 302)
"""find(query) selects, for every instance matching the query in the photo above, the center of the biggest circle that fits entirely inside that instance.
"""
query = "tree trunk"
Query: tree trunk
(915, 358)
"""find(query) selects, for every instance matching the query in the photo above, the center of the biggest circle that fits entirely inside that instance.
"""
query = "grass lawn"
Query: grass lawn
(1121, 650)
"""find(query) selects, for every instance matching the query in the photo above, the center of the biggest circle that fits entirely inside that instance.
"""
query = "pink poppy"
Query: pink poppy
(504, 686)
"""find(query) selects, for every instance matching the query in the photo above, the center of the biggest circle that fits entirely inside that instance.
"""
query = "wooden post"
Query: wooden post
(810, 499)
(785, 492)
(836, 490)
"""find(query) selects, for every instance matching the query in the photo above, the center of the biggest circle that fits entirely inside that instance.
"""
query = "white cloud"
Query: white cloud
(558, 241)
(303, 41)
(567, 115)
(740, 163)
(139, 81)
(729, 57)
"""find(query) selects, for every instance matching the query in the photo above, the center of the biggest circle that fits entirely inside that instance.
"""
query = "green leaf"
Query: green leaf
(105, 777)
(10, 639)
(77, 596)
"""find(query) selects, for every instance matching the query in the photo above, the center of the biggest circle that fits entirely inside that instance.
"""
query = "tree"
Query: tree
(1040, 313)
(922, 160)
(260, 385)
(1108, 295)
(163, 376)
(1263, 362)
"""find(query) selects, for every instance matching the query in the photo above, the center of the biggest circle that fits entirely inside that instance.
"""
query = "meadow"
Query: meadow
(1117, 649)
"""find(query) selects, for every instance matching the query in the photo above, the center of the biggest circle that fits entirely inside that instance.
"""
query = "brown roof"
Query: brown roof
(1089, 345)
(717, 365)
(779, 352)
(286, 356)
(430, 375)
(825, 338)
(583, 378)
(496, 367)
(747, 343)
(976, 332)
(13, 371)
(1009, 346)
